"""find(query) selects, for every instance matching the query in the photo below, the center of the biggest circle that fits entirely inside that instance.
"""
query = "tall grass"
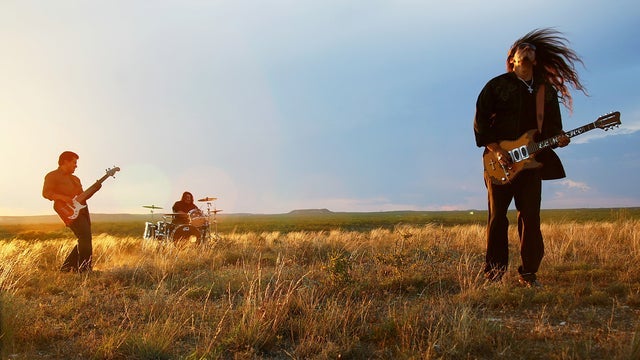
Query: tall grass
(403, 292)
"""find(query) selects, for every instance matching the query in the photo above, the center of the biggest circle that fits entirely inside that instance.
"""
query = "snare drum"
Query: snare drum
(197, 218)
(186, 232)
(149, 230)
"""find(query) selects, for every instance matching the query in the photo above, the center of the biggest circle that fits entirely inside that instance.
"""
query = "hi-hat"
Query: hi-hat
(151, 207)
(208, 199)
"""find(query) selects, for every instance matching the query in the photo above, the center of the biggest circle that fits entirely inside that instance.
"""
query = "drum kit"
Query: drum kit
(196, 229)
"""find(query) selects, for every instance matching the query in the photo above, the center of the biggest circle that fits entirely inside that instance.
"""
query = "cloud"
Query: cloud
(567, 192)
(630, 123)
(570, 184)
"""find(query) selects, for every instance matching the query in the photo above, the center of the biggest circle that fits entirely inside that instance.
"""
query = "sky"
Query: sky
(276, 105)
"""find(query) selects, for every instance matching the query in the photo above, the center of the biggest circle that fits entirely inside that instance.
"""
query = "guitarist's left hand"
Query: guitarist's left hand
(563, 141)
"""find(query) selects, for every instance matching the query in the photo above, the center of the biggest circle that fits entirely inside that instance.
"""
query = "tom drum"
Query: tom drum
(197, 218)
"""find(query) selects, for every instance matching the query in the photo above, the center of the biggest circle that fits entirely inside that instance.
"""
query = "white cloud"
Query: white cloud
(574, 185)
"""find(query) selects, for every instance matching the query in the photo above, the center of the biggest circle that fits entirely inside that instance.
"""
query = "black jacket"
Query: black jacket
(505, 110)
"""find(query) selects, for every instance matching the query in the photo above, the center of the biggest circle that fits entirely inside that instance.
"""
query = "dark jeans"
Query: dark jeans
(526, 190)
(79, 259)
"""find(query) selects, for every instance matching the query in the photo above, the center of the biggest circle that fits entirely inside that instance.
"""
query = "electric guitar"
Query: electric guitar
(523, 150)
(69, 212)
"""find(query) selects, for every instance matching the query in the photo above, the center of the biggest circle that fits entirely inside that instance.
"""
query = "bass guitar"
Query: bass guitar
(69, 212)
(523, 150)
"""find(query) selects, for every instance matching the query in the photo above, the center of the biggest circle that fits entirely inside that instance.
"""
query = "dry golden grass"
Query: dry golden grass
(415, 292)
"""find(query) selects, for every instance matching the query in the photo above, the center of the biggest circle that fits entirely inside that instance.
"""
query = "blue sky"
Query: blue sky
(272, 106)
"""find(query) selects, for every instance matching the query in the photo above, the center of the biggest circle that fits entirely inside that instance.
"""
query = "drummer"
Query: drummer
(181, 208)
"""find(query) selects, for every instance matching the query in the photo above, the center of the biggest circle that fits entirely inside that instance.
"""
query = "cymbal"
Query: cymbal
(216, 211)
(208, 199)
(175, 214)
(151, 207)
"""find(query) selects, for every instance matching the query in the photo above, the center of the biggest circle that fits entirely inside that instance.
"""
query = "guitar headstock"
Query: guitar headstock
(607, 121)
(112, 171)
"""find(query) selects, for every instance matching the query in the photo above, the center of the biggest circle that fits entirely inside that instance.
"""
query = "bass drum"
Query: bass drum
(186, 233)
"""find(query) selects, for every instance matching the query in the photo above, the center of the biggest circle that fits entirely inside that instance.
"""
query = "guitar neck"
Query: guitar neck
(85, 195)
(552, 141)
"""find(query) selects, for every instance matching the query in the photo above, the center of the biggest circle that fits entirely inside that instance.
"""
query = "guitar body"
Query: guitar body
(67, 212)
(523, 150)
(522, 160)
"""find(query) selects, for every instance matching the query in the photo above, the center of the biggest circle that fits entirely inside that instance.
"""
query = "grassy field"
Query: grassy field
(320, 285)
(124, 225)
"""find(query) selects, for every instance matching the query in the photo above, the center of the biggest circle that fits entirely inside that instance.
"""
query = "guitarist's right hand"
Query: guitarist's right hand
(502, 156)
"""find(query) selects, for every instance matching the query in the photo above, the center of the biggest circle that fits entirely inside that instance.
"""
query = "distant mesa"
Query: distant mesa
(311, 212)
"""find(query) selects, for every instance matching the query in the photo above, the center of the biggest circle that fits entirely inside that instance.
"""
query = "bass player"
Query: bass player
(61, 186)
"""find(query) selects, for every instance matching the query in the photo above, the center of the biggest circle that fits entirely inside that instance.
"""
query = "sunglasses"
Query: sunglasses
(524, 45)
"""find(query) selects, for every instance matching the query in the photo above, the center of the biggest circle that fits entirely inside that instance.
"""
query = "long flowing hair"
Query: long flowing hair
(184, 196)
(555, 61)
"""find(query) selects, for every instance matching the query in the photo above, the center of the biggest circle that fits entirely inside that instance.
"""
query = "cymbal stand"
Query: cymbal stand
(215, 221)
(152, 216)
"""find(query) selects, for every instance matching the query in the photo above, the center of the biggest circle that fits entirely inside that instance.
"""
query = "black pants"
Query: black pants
(526, 190)
(79, 259)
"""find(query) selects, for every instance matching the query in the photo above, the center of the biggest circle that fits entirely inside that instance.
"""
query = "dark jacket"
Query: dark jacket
(505, 111)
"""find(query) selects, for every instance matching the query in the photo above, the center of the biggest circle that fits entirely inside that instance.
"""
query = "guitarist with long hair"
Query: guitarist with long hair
(61, 186)
(525, 98)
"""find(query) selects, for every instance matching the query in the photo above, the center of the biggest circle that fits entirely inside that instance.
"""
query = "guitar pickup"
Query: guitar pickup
(518, 154)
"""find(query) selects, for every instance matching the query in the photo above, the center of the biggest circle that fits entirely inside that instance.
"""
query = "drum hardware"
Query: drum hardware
(159, 231)
(163, 230)
(209, 201)
(198, 225)
(215, 221)
(150, 229)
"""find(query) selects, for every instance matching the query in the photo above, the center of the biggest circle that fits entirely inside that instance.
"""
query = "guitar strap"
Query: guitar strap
(540, 107)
